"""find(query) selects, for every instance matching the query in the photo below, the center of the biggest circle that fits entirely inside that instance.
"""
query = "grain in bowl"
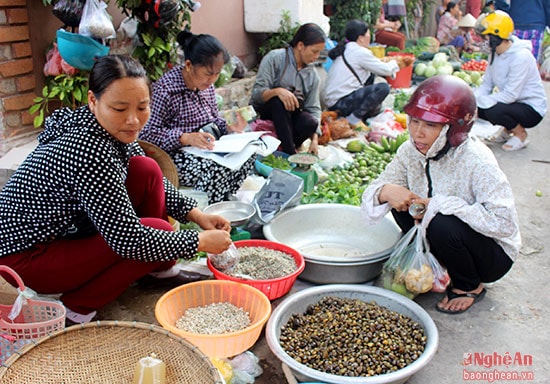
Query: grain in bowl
(256, 276)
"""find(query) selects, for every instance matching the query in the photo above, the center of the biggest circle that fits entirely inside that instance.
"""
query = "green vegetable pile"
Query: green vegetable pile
(345, 185)
(278, 162)
(401, 98)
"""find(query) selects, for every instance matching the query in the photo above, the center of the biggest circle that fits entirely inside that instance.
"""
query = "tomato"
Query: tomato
(474, 65)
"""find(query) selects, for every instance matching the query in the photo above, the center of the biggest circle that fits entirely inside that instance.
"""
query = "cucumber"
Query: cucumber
(426, 56)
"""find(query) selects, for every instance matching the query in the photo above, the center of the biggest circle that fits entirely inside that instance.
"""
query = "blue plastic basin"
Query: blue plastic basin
(79, 51)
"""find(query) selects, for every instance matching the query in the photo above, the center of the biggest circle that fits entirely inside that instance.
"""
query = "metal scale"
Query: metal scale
(238, 213)
(303, 169)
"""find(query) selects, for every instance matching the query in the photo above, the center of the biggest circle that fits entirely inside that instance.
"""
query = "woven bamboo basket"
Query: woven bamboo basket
(107, 352)
(165, 162)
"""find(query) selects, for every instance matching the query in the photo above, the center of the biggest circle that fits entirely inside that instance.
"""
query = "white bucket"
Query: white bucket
(200, 196)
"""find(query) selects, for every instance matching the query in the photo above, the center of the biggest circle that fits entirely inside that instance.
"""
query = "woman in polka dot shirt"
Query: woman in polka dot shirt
(85, 215)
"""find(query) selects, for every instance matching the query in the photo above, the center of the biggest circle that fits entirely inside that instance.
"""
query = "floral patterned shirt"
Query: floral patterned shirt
(79, 169)
(466, 182)
(447, 24)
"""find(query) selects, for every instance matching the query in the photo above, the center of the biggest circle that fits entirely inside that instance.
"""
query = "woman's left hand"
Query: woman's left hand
(214, 222)
(423, 202)
(208, 221)
(239, 126)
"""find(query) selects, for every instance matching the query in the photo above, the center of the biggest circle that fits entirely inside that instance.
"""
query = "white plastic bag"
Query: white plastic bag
(96, 21)
(408, 270)
(126, 37)
(246, 367)
(281, 190)
(384, 124)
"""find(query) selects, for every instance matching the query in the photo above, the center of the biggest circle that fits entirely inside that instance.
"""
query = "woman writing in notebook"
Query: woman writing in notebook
(184, 113)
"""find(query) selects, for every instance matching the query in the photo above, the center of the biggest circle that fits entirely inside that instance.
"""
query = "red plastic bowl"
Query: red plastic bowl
(272, 288)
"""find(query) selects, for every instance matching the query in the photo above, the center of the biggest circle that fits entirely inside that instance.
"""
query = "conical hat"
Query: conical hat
(467, 21)
(164, 161)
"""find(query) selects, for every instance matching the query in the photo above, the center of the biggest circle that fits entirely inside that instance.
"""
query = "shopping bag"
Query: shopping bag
(441, 276)
(96, 21)
(410, 268)
(281, 190)
(69, 11)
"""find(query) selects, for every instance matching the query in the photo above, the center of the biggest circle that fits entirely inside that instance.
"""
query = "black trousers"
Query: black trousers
(470, 257)
(293, 128)
(510, 115)
(364, 102)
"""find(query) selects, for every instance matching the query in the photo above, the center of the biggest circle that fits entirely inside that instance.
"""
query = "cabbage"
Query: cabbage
(430, 71)
(441, 56)
(445, 69)
(420, 69)
(439, 59)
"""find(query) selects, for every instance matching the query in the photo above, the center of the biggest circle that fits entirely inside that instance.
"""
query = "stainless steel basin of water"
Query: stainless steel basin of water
(336, 243)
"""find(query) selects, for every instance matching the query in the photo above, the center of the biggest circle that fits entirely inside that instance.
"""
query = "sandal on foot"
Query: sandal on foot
(515, 144)
(501, 136)
(453, 295)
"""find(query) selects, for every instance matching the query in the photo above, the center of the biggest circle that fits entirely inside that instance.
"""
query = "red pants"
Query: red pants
(86, 271)
(391, 39)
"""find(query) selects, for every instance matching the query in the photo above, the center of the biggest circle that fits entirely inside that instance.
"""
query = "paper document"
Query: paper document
(235, 142)
(234, 160)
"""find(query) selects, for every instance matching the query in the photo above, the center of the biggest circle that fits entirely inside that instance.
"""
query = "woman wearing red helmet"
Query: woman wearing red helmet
(470, 217)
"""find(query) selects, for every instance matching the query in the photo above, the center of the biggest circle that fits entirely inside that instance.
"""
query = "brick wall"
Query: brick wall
(17, 80)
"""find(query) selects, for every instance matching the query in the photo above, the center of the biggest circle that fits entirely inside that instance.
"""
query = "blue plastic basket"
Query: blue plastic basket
(79, 51)
(264, 169)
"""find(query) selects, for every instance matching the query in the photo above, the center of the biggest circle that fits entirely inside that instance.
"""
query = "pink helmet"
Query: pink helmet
(445, 99)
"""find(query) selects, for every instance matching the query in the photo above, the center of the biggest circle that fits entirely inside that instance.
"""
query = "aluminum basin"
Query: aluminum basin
(334, 240)
(298, 303)
(236, 212)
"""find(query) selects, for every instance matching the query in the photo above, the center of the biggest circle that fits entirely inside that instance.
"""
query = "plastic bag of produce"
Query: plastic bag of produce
(441, 276)
(408, 270)
(384, 124)
(225, 75)
(96, 21)
(281, 190)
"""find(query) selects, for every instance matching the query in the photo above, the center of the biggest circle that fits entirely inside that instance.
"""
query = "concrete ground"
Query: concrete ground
(512, 320)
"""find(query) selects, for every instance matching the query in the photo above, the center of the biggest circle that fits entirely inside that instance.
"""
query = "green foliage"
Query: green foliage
(345, 10)
(281, 38)
(68, 91)
(157, 49)
(155, 54)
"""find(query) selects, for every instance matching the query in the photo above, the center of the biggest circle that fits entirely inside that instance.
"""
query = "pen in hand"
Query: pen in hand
(207, 142)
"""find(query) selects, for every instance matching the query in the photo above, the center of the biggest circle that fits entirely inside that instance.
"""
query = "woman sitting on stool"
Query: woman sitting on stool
(349, 86)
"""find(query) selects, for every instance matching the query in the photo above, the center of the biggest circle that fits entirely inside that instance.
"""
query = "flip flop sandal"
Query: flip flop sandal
(515, 144)
(502, 136)
(452, 295)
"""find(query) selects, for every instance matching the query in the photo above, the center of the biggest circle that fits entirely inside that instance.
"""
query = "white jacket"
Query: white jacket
(341, 81)
(516, 75)
(466, 182)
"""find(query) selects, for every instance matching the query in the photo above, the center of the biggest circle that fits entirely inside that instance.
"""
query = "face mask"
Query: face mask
(494, 42)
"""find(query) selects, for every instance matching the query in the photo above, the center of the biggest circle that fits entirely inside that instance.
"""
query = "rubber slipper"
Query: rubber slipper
(453, 295)
(515, 144)
(502, 136)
